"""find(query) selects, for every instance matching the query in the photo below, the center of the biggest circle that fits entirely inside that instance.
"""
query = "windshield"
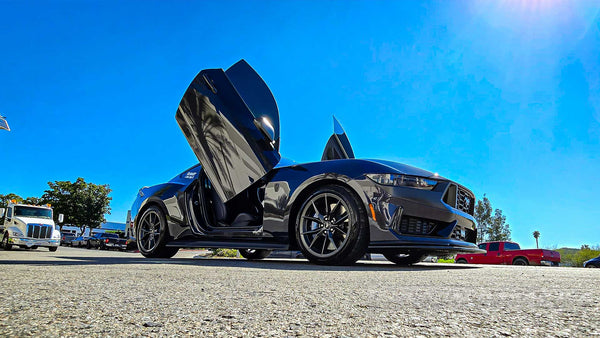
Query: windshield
(33, 212)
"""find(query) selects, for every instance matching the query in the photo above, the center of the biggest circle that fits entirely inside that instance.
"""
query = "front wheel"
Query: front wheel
(6, 243)
(53, 248)
(461, 261)
(331, 227)
(404, 259)
(254, 254)
(152, 234)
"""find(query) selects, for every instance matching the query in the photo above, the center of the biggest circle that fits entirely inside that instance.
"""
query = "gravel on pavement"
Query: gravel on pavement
(79, 292)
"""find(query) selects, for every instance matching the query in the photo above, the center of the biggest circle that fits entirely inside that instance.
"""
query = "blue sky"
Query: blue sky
(501, 96)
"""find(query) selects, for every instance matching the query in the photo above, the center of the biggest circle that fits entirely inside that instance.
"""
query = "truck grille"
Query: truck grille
(39, 231)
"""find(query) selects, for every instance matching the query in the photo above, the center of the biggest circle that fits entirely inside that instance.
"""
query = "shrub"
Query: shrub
(570, 257)
(220, 252)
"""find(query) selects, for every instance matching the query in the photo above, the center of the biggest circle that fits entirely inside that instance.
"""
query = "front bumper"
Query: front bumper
(30, 242)
(440, 246)
(413, 218)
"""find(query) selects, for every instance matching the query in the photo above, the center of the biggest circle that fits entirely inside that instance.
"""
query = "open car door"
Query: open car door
(338, 146)
(231, 121)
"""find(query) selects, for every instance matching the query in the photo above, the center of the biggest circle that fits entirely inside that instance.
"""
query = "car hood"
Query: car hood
(32, 220)
(400, 168)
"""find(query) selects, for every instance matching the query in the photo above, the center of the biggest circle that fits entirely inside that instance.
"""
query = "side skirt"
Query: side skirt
(191, 243)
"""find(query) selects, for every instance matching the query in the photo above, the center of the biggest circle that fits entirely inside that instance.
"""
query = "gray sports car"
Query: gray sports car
(243, 195)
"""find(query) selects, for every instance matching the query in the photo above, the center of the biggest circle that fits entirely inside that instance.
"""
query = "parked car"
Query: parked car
(510, 253)
(131, 244)
(592, 263)
(105, 241)
(66, 238)
(244, 195)
(80, 241)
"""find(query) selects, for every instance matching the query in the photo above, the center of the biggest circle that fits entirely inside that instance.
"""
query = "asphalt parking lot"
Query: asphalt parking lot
(78, 292)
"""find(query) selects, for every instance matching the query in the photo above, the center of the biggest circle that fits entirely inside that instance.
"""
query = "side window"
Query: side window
(494, 247)
(9, 214)
(482, 246)
(511, 246)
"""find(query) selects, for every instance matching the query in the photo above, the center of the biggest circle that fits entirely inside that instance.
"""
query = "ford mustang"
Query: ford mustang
(242, 194)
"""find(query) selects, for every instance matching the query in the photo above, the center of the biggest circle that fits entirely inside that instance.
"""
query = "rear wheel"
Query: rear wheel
(52, 248)
(254, 254)
(331, 227)
(520, 261)
(405, 259)
(6, 243)
(152, 234)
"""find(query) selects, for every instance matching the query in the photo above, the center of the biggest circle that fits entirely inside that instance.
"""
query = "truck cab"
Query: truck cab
(28, 226)
(510, 253)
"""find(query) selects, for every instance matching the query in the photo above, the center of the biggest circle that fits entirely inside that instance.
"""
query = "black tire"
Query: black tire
(5, 243)
(405, 259)
(88, 245)
(340, 235)
(254, 254)
(152, 234)
(520, 261)
(34, 247)
(53, 248)
(461, 261)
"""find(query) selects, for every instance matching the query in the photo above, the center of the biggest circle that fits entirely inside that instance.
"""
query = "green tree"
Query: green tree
(536, 235)
(4, 199)
(483, 216)
(83, 204)
(33, 201)
(498, 230)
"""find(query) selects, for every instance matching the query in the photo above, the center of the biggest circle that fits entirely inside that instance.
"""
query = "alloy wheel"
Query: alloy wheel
(150, 228)
(324, 225)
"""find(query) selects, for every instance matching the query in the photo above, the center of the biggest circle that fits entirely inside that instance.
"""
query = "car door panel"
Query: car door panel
(224, 133)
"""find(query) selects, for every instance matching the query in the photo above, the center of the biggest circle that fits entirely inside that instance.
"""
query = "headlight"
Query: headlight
(401, 180)
(17, 234)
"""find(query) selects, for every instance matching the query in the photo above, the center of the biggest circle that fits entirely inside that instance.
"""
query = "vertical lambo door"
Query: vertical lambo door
(231, 121)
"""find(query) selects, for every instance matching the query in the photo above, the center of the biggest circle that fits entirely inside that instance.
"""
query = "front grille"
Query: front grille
(39, 231)
(464, 201)
(414, 226)
(464, 234)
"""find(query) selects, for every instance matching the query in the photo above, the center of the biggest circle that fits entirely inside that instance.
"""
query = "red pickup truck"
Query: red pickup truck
(510, 253)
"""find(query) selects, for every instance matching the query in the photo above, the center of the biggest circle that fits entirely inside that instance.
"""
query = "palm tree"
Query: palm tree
(536, 235)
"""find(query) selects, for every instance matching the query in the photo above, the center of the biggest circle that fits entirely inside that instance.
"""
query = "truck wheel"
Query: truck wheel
(152, 234)
(254, 254)
(52, 248)
(461, 261)
(404, 259)
(520, 261)
(88, 245)
(5, 243)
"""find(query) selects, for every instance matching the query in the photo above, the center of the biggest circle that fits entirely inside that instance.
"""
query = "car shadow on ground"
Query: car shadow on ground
(270, 264)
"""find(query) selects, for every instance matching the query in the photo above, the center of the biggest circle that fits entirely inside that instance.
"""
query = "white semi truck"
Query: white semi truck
(29, 226)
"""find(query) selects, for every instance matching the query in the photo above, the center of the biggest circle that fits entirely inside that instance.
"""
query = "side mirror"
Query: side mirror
(2, 210)
(61, 218)
(265, 126)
